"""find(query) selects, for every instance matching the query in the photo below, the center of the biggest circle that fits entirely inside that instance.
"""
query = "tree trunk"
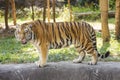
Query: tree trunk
(117, 20)
(53, 4)
(6, 14)
(70, 10)
(104, 20)
(13, 11)
(32, 10)
(44, 10)
(48, 10)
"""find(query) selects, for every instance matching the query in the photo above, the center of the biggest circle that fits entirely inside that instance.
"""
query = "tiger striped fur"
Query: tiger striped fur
(57, 35)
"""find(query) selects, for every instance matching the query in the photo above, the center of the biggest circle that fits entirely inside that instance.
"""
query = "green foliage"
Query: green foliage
(81, 9)
(23, 13)
(112, 4)
(113, 46)
(87, 3)
(65, 15)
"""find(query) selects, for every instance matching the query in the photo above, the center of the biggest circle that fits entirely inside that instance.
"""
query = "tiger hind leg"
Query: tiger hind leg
(81, 55)
(94, 58)
(80, 58)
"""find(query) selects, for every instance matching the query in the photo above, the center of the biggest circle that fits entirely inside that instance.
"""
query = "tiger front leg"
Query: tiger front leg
(42, 56)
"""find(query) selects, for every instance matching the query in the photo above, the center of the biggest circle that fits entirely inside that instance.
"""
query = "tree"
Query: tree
(70, 10)
(13, 11)
(104, 20)
(32, 6)
(44, 10)
(53, 5)
(6, 14)
(117, 20)
(48, 10)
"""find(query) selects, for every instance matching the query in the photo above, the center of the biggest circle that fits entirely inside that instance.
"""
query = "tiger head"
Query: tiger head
(24, 33)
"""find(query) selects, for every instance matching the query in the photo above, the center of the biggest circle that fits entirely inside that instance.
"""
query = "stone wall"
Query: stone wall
(61, 71)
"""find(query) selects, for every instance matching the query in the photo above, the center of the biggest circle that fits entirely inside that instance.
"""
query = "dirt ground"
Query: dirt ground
(6, 33)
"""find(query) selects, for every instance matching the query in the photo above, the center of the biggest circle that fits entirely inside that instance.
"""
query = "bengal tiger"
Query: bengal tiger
(58, 35)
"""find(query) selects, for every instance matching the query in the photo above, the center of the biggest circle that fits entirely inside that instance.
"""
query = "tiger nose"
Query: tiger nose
(23, 41)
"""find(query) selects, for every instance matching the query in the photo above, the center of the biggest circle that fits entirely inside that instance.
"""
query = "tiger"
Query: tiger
(57, 35)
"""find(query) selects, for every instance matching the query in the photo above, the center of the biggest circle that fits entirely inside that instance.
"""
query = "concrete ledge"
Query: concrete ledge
(61, 71)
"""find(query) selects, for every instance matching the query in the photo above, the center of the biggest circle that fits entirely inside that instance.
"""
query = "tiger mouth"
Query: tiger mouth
(23, 41)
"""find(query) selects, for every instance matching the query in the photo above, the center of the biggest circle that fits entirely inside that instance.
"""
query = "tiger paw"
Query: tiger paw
(38, 63)
(77, 61)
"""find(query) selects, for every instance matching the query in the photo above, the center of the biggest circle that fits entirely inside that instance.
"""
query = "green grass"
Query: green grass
(81, 9)
(12, 51)
(111, 20)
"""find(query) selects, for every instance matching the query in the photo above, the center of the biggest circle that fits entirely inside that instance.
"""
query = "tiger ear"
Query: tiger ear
(17, 25)
(30, 25)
